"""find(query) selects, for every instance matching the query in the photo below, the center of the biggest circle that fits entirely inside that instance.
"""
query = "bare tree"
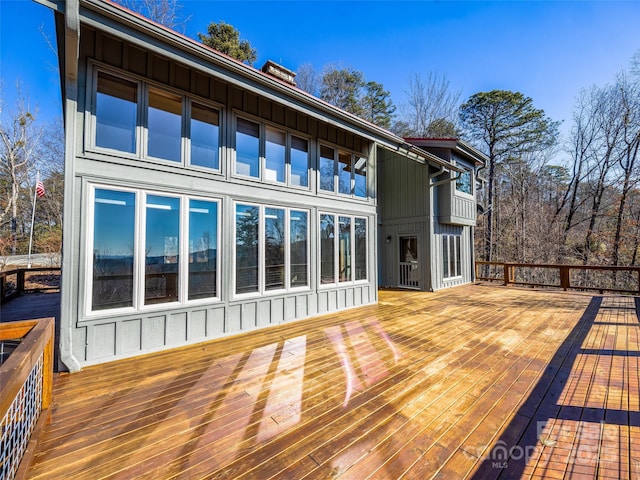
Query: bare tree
(431, 105)
(164, 12)
(19, 140)
(308, 79)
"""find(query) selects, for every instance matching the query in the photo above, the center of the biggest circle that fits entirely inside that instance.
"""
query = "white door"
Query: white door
(409, 267)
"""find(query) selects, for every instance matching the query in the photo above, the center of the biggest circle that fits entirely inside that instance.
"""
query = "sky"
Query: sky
(547, 50)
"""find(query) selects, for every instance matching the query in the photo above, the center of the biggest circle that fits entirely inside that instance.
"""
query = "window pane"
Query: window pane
(327, 249)
(203, 248)
(361, 248)
(113, 249)
(116, 112)
(327, 166)
(205, 137)
(463, 184)
(452, 256)
(275, 148)
(299, 162)
(164, 126)
(247, 221)
(445, 256)
(458, 262)
(162, 231)
(360, 177)
(274, 244)
(344, 173)
(344, 252)
(298, 250)
(247, 148)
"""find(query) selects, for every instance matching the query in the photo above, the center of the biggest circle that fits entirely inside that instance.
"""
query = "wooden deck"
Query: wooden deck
(422, 385)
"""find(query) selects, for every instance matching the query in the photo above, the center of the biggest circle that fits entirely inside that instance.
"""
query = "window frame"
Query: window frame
(467, 170)
(262, 155)
(354, 157)
(139, 253)
(336, 250)
(144, 86)
(453, 255)
(262, 291)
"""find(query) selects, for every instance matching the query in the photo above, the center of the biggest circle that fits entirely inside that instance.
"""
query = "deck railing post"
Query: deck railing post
(20, 282)
(506, 270)
(565, 282)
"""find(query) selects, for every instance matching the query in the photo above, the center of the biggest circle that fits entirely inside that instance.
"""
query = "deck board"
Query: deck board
(421, 385)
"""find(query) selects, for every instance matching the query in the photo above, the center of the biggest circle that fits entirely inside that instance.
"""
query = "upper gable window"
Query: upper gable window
(270, 154)
(463, 183)
(146, 121)
(164, 126)
(342, 172)
(205, 137)
(247, 148)
(116, 113)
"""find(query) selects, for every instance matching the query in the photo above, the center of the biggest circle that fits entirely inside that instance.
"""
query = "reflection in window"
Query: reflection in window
(327, 166)
(463, 183)
(274, 244)
(247, 148)
(344, 249)
(113, 249)
(162, 246)
(298, 250)
(164, 126)
(203, 249)
(299, 162)
(344, 173)
(360, 177)
(247, 222)
(116, 111)
(205, 137)
(327, 249)
(275, 148)
(361, 248)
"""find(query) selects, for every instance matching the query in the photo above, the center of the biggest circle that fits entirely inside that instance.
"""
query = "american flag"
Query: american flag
(40, 191)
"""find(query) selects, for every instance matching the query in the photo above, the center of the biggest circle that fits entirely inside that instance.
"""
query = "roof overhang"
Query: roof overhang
(110, 17)
(456, 145)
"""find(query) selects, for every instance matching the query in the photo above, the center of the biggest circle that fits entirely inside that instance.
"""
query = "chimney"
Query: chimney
(278, 71)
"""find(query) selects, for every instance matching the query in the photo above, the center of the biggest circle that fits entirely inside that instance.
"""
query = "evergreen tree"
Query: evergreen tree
(226, 39)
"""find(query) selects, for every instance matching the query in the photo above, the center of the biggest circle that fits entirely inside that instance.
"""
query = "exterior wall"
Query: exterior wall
(94, 337)
(454, 207)
(404, 207)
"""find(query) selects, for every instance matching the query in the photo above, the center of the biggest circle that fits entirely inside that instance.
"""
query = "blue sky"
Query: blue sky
(548, 50)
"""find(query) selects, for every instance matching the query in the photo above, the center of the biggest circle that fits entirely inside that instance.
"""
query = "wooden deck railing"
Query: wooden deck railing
(25, 398)
(16, 282)
(578, 277)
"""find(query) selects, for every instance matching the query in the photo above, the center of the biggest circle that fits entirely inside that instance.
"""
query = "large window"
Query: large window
(159, 120)
(343, 257)
(271, 154)
(299, 249)
(342, 172)
(114, 245)
(116, 112)
(203, 249)
(137, 244)
(272, 249)
(451, 261)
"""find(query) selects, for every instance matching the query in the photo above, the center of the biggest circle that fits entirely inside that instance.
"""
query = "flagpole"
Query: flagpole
(33, 217)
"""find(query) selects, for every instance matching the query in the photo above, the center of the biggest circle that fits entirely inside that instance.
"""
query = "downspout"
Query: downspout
(68, 303)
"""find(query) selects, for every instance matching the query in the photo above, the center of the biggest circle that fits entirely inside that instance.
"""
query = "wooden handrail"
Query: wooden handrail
(21, 274)
(564, 274)
(37, 337)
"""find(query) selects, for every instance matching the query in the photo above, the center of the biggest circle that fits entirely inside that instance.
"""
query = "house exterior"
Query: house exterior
(205, 198)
